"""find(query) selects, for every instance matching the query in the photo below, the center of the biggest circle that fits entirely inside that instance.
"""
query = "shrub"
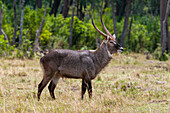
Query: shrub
(158, 54)
(5, 49)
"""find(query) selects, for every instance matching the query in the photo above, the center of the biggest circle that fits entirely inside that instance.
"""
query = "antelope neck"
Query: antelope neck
(103, 56)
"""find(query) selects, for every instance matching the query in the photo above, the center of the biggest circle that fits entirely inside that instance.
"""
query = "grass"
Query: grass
(130, 83)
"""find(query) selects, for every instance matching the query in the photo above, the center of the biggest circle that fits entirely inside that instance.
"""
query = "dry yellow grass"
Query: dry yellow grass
(130, 83)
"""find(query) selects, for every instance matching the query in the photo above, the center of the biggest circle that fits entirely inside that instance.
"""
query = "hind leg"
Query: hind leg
(52, 86)
(43, 83)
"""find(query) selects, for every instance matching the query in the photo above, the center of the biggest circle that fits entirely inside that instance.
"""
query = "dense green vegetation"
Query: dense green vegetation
(144, 35)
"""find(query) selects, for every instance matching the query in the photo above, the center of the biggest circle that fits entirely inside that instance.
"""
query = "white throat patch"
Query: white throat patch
(109, 54)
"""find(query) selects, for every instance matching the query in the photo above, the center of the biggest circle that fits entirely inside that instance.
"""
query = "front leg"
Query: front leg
(88, 75)
(84, 86)
(90, 89)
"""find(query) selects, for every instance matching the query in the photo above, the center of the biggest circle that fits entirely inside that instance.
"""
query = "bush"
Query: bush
(158, 54)
(145, 32)
(138, 40)
(5, 49)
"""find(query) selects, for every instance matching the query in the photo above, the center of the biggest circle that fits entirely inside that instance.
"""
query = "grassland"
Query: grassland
(130, 83)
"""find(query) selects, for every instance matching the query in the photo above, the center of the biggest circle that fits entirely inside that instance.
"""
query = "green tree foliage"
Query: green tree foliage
(145, 31)
(145, 35)
(5, 49)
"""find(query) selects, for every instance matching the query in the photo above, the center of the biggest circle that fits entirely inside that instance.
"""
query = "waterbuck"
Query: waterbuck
(85, 64)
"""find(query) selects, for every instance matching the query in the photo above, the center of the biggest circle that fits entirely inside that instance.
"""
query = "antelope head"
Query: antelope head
(112, 45)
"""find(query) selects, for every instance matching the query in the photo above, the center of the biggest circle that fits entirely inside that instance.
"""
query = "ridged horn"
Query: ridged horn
(98, 29)
(108, 33)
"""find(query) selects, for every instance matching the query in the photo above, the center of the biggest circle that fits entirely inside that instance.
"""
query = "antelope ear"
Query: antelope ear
(114, 36)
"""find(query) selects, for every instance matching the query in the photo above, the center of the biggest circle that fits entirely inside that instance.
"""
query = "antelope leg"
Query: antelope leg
(41, 86)
(89, 89)
(52, 86)
(84, 86)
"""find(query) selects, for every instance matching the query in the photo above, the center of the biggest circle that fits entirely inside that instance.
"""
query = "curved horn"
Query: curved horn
(108, 33)
(98, 29)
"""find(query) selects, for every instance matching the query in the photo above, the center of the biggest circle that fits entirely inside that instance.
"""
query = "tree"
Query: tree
(39, 3)
(5, 36)
(164, 25)
(15, 24)
(38, 32)
(1, 30)
(114, 18)
(128, 6)
(71, 26)
(105, 5)
(21, 23)
(132, 13)
(1, 17)
(55, 7)
(120, 8)
(131, 21)
(81, 11)
(77, 4)
(50, 4)
(66, 8)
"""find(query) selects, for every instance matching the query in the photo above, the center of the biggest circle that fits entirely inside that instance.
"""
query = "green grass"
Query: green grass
(130, 83)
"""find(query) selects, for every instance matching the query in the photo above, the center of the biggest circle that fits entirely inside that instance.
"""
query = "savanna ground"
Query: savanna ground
(130, 83)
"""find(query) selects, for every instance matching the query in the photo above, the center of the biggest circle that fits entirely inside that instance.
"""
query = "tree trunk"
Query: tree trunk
(81, 11)
(105, 6)
(19, 7)
(1, 30)
(130, 26)
(71, 26)
(168, 37)
(1, 17)
(39, 3)
(126, 22)
(5, 36)
(86, 11)
(21, 23)
(114, 18)
(78, 8)
(55, 7)
(65, 8)
(131, 21)
(165, 29)
(120, 8)
(38, 32)
(168, 42)
(50, 4)
(15, 24)
(163, 4)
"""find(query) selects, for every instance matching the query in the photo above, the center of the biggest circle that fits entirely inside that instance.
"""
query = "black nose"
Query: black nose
(121, 49)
